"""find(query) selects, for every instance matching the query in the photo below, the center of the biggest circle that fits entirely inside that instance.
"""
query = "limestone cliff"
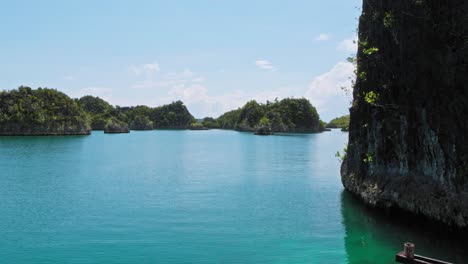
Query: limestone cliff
(408, 135)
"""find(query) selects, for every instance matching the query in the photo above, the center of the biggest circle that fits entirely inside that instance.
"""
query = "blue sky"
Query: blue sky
(213, 55)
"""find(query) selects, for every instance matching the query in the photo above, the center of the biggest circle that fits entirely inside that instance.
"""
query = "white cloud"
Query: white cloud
(149, 68)
(348, 45)
(265, 65)
(323, 37)
(201, 104)
(326, 94)
(324, 91)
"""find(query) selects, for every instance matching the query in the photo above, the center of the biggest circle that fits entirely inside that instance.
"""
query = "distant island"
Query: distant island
(288, 115)
(44, 111)
(339, 122)
(112, 119)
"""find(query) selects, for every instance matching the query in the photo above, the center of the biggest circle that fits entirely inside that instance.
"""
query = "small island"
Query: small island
(289, 115)
(339, 122)
(100, 112)
(40, 112)
(45, 111)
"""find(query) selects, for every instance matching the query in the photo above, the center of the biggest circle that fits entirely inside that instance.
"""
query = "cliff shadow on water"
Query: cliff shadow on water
(375, 236)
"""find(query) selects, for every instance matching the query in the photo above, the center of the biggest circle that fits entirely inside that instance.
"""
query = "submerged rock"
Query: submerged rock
(408, 143)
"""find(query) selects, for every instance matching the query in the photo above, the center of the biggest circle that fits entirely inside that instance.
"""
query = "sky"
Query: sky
(213, 55)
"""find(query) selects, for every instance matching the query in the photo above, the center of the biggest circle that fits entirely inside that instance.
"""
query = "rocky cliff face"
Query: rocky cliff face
(408, 135)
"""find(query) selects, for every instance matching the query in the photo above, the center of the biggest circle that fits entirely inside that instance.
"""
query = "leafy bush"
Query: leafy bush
(371, 97)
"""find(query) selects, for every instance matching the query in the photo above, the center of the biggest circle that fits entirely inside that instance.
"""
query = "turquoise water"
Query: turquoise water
(191, 197)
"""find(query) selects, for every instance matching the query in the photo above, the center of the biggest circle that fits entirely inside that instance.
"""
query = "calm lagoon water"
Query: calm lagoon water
(191, 197)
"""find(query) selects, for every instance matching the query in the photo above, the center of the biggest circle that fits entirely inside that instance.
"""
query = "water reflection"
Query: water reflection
(374, 237)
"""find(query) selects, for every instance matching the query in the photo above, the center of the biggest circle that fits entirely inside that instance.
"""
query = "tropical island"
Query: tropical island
(339, 122)
(45, 111)
(41, 112)
(288, 115)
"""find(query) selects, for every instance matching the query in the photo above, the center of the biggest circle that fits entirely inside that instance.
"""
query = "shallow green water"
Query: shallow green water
(191, 197)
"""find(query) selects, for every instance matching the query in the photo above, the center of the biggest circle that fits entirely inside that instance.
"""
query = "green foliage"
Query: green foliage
(197, 126)
(174, 115)
(363, 43)
(131, 113)
(322, 125)
(371, 97)
(352, 60)
(141, 122)
(339, 122)
(348, 89)
(48, 111)
(114, 125)
(369, 158)
(297, 114)
(263, 127)
(41, 111)
(287, 115)
(229, 119)
(94, 105)
(370, 51)
(342, 155)
(250, 115)
(264, 122)
(210, 122)
(98, 110)
(363, 75)
(389, 20)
